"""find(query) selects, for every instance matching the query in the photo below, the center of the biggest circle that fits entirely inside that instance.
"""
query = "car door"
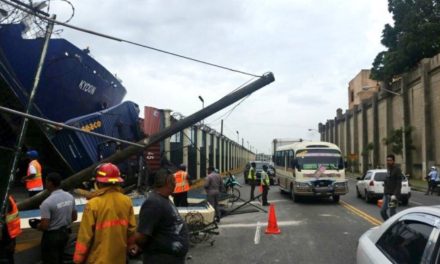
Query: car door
(411, 239)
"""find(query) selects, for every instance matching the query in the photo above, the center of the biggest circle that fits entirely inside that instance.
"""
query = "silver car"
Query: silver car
(410, 236)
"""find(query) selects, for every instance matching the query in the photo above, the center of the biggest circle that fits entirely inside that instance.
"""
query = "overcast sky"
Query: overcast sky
(314, 48)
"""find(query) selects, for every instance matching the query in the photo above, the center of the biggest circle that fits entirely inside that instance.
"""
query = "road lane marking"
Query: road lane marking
(280, 223)
(257, 234)
(372, 220)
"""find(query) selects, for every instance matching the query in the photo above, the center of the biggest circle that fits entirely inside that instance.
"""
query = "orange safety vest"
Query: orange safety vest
(181, 178)
(13, 220)
(36, 181)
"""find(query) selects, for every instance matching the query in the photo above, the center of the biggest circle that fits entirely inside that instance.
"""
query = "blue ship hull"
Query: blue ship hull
(72, 83)
(81, 150)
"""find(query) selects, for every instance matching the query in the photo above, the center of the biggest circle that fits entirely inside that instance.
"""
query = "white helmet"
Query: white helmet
(433, 168)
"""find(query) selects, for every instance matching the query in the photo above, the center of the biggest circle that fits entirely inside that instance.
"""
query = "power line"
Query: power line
(127, 41)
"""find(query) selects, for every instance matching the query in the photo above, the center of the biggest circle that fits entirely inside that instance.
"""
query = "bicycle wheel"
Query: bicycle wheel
(234, 195)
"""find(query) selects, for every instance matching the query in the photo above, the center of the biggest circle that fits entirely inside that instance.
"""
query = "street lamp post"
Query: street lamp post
(403, 121)
(203, 103)
(238, 137)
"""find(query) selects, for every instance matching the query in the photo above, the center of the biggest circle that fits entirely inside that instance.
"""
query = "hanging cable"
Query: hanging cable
(127, 41)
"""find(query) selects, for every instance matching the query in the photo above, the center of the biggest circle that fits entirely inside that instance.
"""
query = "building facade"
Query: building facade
(412, 105)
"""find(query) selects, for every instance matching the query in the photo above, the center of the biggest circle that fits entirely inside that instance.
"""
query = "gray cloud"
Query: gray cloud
(314, 48)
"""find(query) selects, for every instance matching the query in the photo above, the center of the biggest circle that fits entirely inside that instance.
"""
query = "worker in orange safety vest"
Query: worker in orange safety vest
(180, 194)
(10, 229)
(33, 178)
(108, 224)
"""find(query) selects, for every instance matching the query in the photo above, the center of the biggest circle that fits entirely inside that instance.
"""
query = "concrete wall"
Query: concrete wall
(373, 119)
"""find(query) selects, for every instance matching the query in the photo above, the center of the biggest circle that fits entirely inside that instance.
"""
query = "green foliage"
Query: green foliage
(415, 35)
(396, 141)
(368, 148)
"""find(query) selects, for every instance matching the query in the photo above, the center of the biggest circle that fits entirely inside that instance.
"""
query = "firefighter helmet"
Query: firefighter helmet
(108, 173)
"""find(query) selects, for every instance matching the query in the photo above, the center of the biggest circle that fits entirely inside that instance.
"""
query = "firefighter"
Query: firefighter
(33, 178)
(10, 229)
(108, 225)
(180, 194)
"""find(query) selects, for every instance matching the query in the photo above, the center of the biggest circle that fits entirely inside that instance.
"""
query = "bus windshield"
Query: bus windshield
(313, 162)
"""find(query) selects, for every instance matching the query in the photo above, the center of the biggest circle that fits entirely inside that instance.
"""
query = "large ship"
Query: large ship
(72, 84)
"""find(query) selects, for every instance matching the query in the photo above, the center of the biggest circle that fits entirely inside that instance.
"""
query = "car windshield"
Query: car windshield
(380, 176)
(259, 165)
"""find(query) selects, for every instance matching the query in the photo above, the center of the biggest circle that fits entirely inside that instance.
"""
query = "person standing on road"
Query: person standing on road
(33, 178)
(392, 188)
(213, 186)
(57, 214)
(108, 224)
(265, 182)
(433, 179)
(162, 233)
(10, 229)
(180, 194)
(252, 178)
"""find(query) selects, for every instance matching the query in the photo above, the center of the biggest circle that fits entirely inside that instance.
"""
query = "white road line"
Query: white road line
(280, 223)
(257, 234)
(270, 201)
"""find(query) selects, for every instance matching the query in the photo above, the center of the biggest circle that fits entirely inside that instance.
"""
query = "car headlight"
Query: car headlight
(302, 185)
(340, 184)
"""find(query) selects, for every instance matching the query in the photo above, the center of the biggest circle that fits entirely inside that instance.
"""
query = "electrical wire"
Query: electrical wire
(126, 41)
(229, 112)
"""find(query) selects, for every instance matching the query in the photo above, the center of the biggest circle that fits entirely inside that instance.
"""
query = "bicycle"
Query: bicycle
(232, 192)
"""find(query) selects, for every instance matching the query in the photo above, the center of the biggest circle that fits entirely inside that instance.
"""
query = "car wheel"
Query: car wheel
(358, 193)
(336, 198)
(367, 198)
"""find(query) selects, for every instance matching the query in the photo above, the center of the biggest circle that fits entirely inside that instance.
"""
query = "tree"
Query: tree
(396, 142)
(366, 152)
(415, 35)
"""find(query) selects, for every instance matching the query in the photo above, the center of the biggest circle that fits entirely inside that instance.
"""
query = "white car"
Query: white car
(371, 186)
(410, 236)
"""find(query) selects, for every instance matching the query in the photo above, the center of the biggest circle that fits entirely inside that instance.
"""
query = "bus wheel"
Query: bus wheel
(336, 198)
(281, 189)
(293, 196)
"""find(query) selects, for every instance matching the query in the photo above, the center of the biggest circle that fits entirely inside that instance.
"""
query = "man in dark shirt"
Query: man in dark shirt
(392, 187)
(213, 186)
(162, 233)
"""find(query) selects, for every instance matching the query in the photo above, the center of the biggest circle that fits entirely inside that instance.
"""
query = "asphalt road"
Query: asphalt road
(313, 231)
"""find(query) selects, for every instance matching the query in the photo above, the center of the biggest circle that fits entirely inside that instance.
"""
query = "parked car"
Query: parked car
(370, 187)
(259, 167)
(410, 236)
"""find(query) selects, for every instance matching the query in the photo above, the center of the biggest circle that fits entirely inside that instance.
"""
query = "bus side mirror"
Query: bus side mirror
(296, 165)
(341, 166)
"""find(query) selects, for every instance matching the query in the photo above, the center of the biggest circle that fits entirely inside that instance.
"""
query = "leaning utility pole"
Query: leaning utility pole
(74, 180)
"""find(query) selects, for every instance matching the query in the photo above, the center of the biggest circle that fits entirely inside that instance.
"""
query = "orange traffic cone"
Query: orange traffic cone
(380, 203)
(272, 226)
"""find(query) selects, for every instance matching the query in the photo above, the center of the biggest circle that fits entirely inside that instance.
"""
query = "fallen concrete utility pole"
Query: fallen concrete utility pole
(74, 180)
